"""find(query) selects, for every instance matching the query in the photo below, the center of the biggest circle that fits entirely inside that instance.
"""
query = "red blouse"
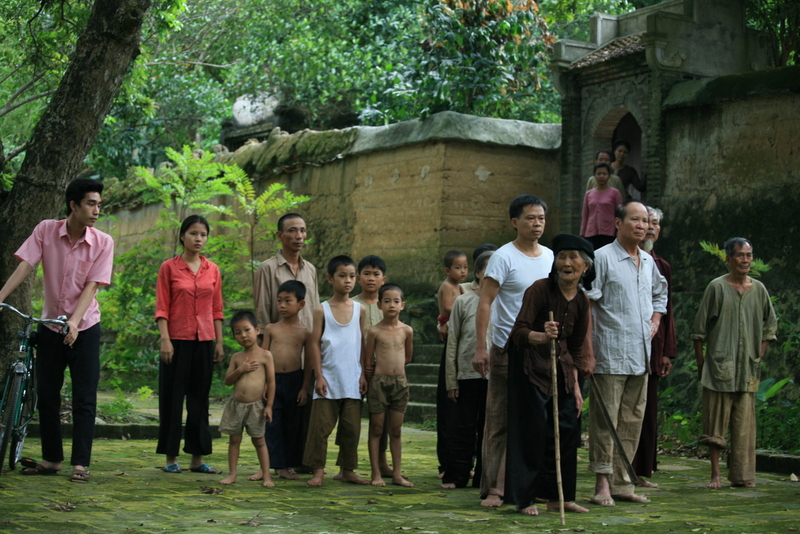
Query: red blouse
(189, 302)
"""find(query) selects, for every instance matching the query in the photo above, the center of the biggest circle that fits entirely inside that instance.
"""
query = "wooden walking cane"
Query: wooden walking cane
(554, 362)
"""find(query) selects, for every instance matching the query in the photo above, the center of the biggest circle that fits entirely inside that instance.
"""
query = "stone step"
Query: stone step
(422, 373)
(431, 354)
(423, 393)
(420, 412)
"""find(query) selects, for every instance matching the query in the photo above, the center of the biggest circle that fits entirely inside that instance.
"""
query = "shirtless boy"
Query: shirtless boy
(286, 340)
(391, 344)
(252, 374)
(456, 268)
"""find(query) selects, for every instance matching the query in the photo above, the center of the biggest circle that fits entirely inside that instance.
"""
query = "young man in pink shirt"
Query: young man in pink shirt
(76, 260)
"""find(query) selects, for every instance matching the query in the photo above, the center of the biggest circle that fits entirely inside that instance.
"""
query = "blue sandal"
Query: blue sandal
(204, 468)
(174, 468)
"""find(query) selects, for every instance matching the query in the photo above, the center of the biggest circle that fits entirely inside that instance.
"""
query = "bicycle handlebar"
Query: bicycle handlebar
(61, 321)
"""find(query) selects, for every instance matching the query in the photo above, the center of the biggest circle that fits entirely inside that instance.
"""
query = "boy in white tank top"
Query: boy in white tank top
(335, 358)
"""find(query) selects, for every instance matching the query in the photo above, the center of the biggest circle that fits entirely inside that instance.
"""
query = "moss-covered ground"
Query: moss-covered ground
(127, 493)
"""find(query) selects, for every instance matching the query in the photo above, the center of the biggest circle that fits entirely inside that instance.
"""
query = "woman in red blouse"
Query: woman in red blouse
(189, 316)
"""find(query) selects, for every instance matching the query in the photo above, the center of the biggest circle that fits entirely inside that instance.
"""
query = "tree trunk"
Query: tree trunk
(65, 134)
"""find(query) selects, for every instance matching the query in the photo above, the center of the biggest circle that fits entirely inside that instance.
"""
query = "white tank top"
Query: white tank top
(341, 355)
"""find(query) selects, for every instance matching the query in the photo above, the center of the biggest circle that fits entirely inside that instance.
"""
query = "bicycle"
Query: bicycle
(19, 400)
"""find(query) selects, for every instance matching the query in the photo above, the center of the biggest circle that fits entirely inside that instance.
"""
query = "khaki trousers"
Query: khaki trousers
(495, 429)
(626, 398)
(736, 410)
(324, 414)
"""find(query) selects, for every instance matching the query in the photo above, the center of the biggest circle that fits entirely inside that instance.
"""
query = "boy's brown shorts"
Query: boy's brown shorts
(387, 392)
(240, 415)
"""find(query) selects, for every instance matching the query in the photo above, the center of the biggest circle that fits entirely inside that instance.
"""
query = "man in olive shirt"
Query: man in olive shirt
(737, 322)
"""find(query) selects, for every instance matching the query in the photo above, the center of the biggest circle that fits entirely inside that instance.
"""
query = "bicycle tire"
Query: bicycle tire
(9, 412)
(18, 434)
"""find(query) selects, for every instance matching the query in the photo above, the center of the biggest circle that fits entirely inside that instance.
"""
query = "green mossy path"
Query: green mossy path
(128, 494)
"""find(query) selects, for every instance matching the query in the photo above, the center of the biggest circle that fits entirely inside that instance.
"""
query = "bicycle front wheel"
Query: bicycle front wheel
(26, 410)
(10, 410)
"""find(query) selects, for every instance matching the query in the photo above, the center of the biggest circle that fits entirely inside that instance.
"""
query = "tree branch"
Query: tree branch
(9, 108)
(14, 153)
(182, 63)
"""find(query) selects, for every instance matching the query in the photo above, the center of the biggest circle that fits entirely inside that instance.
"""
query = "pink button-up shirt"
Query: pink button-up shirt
(68, 267)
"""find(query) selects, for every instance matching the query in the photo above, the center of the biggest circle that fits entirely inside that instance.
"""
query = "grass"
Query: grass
(127, 493)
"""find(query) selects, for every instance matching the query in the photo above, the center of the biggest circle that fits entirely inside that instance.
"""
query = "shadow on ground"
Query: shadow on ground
(128, 494)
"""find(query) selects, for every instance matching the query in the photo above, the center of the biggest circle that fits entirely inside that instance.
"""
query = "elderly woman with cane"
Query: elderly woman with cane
(531, 465)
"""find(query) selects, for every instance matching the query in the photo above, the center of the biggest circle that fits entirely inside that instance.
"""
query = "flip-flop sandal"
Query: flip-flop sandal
(174, 468)
(204, 468)
(28, 462)
(39, 469)
(80, 476)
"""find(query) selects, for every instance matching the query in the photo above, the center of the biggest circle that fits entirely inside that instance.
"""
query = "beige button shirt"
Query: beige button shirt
(270, 275)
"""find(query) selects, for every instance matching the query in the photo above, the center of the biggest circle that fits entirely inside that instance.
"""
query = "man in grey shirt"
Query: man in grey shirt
(628, 297)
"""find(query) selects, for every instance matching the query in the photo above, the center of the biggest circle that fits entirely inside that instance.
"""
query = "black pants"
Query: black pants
(530, 461)
(465, 433)
(83, 360)
(284, 434)
(443, 413)
(187, 376)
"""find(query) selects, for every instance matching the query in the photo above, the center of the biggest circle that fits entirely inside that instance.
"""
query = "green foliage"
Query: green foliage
(757, 268)
(779, 20)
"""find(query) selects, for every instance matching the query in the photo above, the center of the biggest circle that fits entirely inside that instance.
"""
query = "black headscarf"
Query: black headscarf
(573, 242)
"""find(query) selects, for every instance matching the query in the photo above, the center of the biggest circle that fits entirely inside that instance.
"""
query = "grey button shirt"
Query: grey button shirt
(624, 301)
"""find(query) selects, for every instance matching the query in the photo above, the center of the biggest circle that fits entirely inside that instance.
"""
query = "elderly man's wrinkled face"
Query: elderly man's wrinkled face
(741, 260)
(653, 227)
(633, 227)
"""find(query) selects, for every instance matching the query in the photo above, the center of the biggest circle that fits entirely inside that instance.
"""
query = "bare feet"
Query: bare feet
(378, 482)
(288, 474)
(230, 479)
(493, 500)
(449, 485)
(603, 500)
(646, 484)
(554, 506)
(338, 476)
(715, 483)
(257, 476)
(316, 480)
(352, 478)
(528, 510)
(440, 475)
(745, 485)
(631, 497)
(268, 483)
(400, 480)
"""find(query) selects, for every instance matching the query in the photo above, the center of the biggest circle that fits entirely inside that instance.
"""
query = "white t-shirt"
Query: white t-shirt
(515, 272)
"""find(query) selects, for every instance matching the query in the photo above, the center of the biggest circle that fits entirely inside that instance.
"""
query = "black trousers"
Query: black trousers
(187, 376)
(443, 413)
(83, 360)
(284, 434)
(530, 460)
(465, 433)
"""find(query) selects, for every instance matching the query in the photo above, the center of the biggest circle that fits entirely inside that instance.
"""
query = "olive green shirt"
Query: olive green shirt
(374, 314)
(733, 326)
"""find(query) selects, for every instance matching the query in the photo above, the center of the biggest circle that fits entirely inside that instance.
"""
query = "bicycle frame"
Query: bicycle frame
(19, 401)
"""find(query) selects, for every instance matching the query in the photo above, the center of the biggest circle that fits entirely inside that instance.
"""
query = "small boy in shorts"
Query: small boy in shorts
(252, 374)
(334, 355)
(391, 343)
(286, 340)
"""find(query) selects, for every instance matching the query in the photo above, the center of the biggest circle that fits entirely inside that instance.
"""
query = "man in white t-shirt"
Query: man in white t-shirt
(514, 267)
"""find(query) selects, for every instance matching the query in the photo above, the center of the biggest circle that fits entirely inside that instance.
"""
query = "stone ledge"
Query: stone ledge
(772, 462)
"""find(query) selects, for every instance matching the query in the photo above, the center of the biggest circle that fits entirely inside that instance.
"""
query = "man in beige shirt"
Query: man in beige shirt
(286, 265)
